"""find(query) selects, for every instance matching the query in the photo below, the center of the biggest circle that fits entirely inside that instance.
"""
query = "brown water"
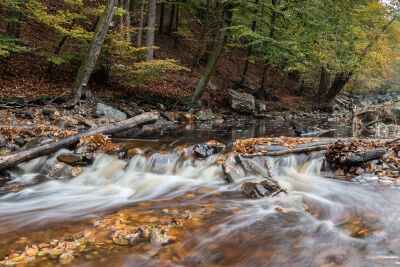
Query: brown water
(320, 222)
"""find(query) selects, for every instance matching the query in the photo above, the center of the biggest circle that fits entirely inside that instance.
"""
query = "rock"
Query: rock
(205, 115)
(61, 170)
(134, 238)
(65, 122)
(19, 141)
(71, 159)
(360, 171)
(396, 110)
(161, 107)
(279, 119)
(26, 115)
(248, 189)
(261, 107)
(262, 189)
(3, 143)
(110, 112)
(48, 110)
(241, 102)
(205, 150)
(157, 238)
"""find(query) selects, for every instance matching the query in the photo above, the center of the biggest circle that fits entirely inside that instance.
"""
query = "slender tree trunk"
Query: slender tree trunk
(171, 19)
(151, 24)
(324, 82)
(202, 37)
(261, 92)
(14, 23)
(162, 15)
(121, 5)
(249, 52)
(219, 43)
(141, 23)
(59, 47)
(176, 26)
(88, 64)
(128, 21)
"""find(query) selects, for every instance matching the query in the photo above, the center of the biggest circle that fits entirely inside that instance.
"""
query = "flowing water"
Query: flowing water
(319, 222)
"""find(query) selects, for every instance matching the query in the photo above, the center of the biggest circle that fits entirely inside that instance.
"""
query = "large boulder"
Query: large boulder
(241, 102)
(110, 112)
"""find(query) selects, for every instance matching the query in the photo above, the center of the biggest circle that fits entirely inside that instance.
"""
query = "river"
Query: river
(321, 221)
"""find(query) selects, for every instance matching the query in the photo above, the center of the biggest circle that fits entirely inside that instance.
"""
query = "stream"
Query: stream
(321, 221)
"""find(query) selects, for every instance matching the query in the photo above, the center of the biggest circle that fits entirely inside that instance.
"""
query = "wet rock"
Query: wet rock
(205, 115)
(263, 189)
(133, 239)
(111, 113)
(205, 150)
(19, 141)
(279, 119)
(271, 186)
(241, 102)
(157, 238)
(61, 170)
(248, 189)
(48, 110)
(71, 159)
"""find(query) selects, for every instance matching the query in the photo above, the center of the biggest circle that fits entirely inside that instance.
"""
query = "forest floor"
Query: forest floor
(24, 75)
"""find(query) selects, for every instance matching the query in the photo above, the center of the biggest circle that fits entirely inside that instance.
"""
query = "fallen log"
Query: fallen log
(362, 157)
(48, 148)
(288, 151)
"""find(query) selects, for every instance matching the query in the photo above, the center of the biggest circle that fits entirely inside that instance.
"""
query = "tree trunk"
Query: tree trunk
(88, 64)
(151, 24)
(342, 78)
(14, 23)
(49, 148)
(59, 47)
(171, 19)
(339, 82)
(176, 26)
(324, 82)
(219, 43)
(202, 37)
(141, 23)
(249, 52)
(162, 14)
(128, 21)
(263, 88)
(262, 91)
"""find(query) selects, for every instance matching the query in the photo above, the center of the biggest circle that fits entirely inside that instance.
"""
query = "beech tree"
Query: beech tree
(88, 64)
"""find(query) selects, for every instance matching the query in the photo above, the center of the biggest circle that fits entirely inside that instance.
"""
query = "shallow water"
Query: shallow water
(320, 222)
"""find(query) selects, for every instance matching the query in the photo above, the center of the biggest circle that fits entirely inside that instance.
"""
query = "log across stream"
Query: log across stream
(166, 207)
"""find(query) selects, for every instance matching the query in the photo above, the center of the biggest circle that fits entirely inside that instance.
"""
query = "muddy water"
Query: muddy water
(320, 222)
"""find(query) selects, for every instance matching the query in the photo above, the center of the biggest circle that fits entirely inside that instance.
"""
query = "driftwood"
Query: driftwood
(48, 148)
